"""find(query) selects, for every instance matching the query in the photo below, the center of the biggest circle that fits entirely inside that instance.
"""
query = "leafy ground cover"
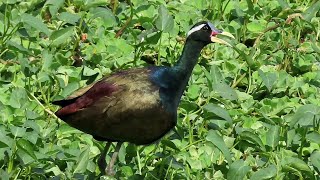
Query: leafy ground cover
(251, 111)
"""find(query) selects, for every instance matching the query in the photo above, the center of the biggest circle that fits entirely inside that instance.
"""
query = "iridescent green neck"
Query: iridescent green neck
(188, 59)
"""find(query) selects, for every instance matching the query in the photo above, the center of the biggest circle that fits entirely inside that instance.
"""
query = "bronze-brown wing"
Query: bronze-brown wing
(125, 106)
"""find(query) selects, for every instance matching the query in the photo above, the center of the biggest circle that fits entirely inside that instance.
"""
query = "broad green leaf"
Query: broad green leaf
(315, 160)
(104, 13)
(238, 170)
(69, 17)
(82, 161)
(17, 131)
(17, 47)
(122, 154)
(250, 7)
(311, 11)
(217, 140)
(47, 59)
(54, 6)
(220, 86)
(265, 173)
(35, 23)
(273, 136)
(65, 129)
(18, 98)
(219, 111)
(195, 163)
(283, 4)
(71, 87)
(253, 138)
(60, 36)
(256, 26)
(297, 164)
(306, 115)
(27, 147)
(193, 91)
(5, 140)
(164, 21)
(55, 170)
(314, 45)
(170, 144)
(268, 78)
(313, 137)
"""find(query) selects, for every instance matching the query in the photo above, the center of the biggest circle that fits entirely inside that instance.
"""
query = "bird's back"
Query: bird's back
(125, 106)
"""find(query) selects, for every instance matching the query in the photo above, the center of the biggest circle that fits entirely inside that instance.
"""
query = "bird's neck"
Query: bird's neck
(187, 61)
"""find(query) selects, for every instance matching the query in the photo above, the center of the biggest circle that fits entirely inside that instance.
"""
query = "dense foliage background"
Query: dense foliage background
(250, 111)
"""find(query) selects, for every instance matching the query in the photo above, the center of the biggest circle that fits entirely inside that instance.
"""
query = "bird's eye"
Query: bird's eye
(206, 28)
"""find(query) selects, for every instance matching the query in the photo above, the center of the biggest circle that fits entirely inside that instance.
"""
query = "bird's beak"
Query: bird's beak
(218, 40)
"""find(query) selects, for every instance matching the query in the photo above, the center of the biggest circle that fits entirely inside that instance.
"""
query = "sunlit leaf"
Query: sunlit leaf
(219, 111)
(306, 115)
(164, 22)
(253, 138)
(217, 140)
(27, 147)
(273, 136)
(60, 36)
(35, 23)
(82, 161)
(265, 173)
(311, 11)
(315, 160)
(268, 79)
(238, 170)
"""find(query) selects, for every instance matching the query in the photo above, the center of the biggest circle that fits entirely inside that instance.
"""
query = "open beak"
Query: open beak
(218, 40)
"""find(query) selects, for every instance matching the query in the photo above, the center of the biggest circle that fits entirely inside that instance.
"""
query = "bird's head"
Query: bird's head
(206, 32)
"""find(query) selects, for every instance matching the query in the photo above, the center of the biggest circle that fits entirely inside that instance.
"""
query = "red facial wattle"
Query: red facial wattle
(214, 33)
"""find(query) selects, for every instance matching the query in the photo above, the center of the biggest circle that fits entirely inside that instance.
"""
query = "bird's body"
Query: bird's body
(136, 105)
(125, 106)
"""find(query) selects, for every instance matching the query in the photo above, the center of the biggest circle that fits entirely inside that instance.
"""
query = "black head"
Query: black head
(205, 32)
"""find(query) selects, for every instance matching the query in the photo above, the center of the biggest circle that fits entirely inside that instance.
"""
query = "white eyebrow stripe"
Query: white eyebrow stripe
(197, 28)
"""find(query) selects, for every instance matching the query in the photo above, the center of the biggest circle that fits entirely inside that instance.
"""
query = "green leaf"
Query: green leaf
(297, 164)
(219, 111)
(71, 87)
(47, 59)
(253, 138)
(305, 115)
(27, 147)
(193, 91)
(250, 7)
(170, 144)
(60, 36)
(219, 85)
(268, 78)
(313, 137)
(69, 17)
(238, 170)
(54, 6)
(82, 161)
(256, 26)
(17, 131)
(18, 98)
(273, 136)
(104, 13)
(35, 23)
(217, 140)
(315, 160)
(311, 11)
(265, 173)
(164, 21)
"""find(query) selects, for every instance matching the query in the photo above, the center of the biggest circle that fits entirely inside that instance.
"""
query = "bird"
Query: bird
(137, 105)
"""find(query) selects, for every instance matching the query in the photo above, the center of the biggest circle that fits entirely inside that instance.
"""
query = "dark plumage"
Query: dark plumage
(136, 105)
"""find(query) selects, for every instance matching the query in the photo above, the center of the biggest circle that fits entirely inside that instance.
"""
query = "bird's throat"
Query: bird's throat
(187, 61)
